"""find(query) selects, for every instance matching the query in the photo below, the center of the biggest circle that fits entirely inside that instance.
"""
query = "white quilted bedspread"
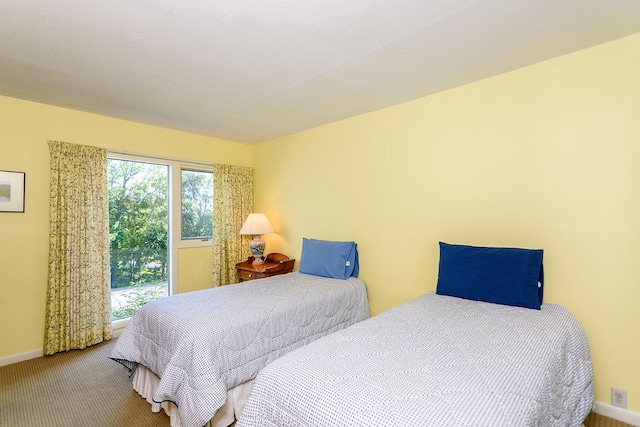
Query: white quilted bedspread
(203, 343)
(434, 361)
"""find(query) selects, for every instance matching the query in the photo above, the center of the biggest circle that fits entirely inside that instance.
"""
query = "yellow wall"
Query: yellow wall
(543, 157)
(25, 128)
(194, 268)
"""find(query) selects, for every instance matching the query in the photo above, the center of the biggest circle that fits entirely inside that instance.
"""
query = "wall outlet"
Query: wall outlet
(619, 398)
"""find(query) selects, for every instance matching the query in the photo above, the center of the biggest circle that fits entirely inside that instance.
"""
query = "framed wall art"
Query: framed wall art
(12, 191)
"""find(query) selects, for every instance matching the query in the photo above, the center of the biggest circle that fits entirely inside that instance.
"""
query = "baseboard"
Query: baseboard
(33, 354)
(624, 415)
(21, 357)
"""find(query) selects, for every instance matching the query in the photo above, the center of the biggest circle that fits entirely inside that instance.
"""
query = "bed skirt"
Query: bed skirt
(145, 383)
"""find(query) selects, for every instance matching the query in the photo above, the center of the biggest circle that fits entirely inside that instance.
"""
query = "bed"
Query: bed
(195, 354)
(437, 360)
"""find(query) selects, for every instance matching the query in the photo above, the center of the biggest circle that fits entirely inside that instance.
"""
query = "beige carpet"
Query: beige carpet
(79, 388)
(86, 388)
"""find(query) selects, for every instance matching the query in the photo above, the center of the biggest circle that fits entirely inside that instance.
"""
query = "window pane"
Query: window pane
(138, 234)
(197, 204)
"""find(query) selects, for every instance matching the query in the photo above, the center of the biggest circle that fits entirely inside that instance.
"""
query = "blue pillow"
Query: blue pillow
(338, 260)
(510, 276)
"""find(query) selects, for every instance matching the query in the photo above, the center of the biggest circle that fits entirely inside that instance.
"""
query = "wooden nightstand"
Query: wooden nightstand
(274, 264)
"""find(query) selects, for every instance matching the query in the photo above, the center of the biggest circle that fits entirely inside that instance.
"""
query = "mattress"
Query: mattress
(434, 361)
(202, 344)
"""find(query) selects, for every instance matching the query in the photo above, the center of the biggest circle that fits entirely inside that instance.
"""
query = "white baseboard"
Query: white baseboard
(21, 357)
(624, 415)
(33, 354)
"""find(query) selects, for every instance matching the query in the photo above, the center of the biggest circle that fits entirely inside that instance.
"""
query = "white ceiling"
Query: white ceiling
(253, 70)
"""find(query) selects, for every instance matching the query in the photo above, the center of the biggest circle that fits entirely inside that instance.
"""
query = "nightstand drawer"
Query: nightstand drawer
(249, 275)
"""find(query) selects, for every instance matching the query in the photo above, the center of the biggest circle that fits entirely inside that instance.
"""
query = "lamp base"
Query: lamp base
(257, 249)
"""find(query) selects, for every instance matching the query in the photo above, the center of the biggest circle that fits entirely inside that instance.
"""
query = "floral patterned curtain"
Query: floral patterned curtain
(232, 203)
(78, 312)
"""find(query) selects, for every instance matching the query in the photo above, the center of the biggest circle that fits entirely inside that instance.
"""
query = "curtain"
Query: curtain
(232, 203)
(78, 312)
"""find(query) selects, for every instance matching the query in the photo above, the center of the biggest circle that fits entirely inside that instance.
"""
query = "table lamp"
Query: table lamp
(257, 224)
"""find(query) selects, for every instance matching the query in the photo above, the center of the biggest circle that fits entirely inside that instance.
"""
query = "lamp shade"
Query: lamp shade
(256, 224)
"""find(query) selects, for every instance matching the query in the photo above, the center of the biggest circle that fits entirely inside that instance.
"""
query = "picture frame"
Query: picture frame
(12, 191)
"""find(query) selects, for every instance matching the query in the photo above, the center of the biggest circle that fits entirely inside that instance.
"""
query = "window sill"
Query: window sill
(193, 243)
(118, 325)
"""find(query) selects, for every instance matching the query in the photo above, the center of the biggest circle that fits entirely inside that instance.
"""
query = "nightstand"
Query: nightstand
(274, 264)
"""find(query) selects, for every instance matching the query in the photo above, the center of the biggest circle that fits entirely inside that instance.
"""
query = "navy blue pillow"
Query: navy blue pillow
(338, 260)
(510, 276)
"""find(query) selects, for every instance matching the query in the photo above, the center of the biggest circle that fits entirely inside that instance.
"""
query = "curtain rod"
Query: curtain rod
(131, 154)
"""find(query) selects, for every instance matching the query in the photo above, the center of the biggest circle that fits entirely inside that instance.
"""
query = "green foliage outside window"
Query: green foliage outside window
(197, 204)
(138, 226)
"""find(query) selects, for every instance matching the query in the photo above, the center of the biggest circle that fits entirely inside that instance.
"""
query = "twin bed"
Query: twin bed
(477, 352)
(194, 353)
(434, 361)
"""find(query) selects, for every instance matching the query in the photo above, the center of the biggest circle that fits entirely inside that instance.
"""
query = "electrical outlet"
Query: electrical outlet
(619, 398)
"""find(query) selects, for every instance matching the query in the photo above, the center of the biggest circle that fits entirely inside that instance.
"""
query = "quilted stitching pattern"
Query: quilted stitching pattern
(434, 361)
(203, 343)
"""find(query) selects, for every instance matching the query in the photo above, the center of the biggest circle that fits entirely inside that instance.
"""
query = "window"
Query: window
(138, 234)
(155, 207)
(197, 204)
